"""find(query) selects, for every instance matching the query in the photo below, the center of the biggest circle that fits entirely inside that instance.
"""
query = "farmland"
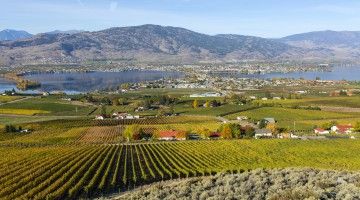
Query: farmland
(69, 154)
(87, 171)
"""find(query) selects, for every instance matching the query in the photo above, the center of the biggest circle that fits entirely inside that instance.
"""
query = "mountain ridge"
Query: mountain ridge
(152, 43)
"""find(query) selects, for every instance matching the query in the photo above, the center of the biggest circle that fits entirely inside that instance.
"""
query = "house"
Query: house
(342, 129)
(215, 136)
(252, 97)
(125, 116)
(170, 135)
(240, 118)
(206, 94)
(263, 133)
(99, 117)
(321, 131)
(25, 131)
(269, 120)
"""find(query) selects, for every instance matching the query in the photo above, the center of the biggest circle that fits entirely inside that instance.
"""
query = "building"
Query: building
(321, 131)
(240, 118)
(342, 129)
(99, 117)
(171, 135)
(269, 120)
(207, 94)
(263, 133)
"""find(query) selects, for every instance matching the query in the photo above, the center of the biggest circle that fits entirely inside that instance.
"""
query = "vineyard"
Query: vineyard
(73, 171)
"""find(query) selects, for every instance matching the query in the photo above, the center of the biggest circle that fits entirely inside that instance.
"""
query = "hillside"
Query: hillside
(341, 44)
(145, 43)
(8, 34)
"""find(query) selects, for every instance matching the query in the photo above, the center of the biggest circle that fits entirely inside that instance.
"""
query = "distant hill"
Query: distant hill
(325, 39)
(166, 44)
(343, 45)
(8, 34)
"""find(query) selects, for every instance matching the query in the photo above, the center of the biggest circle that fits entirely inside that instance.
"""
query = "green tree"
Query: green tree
(357, 127)
(125, 86)
(262, 124)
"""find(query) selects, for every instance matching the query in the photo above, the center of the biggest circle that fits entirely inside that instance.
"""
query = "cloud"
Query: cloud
(113, 6)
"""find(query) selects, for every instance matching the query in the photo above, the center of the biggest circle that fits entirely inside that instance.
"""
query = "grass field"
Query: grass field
(13, 111)
(49, 106)
(5, 99)
(305, 119)
(352, 102)
(91, 170)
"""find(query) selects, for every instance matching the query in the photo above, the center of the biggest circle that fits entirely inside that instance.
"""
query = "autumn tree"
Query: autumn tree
(195, 103)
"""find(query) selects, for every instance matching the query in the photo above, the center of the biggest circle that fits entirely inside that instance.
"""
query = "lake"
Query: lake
(76, 82)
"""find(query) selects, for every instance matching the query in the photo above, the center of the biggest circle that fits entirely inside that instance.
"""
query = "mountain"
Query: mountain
(166, 44)
(325, 39)
(146, 43)
(341, 44)
(65, 32)
(8, 34)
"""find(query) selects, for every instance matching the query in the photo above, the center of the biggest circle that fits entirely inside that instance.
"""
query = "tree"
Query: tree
(207, 104)
(235, 130)
(123, 101)
(195, 103)
(262, 124)
(132, 132)
(115, 102)
(204, 132)
(226, 131)
(328, 125)
(357, 127)
(343, 93)
(272, 127)
(248, 132)
(125, 86)
(214, 103)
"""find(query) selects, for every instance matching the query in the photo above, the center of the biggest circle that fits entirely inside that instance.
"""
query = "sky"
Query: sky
(264, 18)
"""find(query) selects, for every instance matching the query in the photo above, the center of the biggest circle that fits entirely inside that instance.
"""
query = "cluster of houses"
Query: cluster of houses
(118, 116)
(174, 135)
(338, 129)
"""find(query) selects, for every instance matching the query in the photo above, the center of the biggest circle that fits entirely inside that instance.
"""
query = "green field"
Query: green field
(352, 102)
(70, 172)
(5, 99)
(305, 119)
(50, 106)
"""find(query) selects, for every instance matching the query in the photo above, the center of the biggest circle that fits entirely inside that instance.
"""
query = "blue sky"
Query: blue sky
(266, 18)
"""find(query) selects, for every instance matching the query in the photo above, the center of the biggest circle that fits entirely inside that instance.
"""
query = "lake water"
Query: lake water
(90, 81)
(338, 73)
(85, 82)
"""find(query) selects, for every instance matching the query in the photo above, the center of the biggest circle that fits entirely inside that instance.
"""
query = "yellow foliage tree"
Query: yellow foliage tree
(195, 103)
(272, 127)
